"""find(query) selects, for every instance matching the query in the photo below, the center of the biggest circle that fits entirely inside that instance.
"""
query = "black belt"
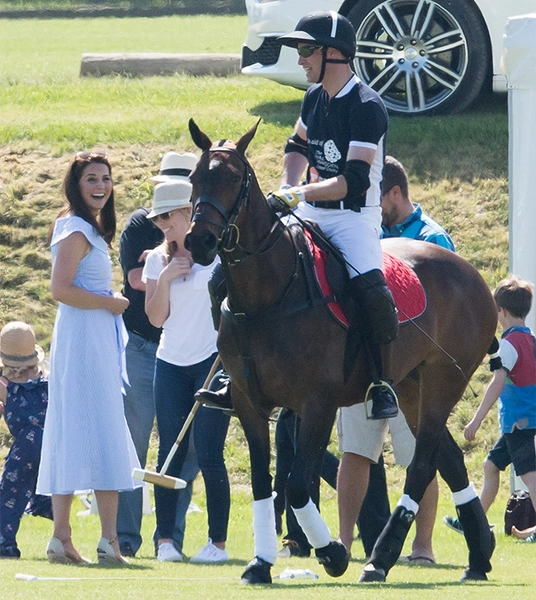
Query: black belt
(338, 204)
(142, 336)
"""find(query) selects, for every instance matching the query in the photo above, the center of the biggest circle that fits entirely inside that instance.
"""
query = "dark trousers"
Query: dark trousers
(174, 391)
(375, 511)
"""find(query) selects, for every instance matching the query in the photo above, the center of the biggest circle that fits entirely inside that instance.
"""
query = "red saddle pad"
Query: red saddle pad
(408, 293)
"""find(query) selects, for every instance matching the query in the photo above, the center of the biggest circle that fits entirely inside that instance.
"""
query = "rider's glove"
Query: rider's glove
(285, 199)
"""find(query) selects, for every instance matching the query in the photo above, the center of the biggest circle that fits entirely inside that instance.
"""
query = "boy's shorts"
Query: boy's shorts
(366, 437)
(518, 448)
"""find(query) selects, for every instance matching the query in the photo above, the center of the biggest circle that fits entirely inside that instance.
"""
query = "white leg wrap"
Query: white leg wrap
(464, 496)
(313, 525)
(264, 534)
(408, 503)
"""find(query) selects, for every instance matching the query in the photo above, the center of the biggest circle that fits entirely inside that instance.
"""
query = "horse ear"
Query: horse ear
(201, 140)
(244, 141)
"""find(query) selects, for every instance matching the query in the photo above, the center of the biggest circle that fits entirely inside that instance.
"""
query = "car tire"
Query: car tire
(402, 63)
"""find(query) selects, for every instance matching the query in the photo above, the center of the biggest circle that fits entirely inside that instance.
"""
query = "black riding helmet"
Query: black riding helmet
(328, 29)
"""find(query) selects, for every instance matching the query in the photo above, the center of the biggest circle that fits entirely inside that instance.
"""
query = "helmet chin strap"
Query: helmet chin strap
(325, 60)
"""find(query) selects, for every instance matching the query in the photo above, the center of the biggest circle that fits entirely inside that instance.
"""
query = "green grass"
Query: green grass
(458, 171)
(37, 52)
(146, 578)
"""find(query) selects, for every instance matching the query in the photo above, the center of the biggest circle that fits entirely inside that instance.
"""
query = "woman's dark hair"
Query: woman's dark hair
(106, 223)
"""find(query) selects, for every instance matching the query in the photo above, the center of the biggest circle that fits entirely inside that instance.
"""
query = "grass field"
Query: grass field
(458, 170)
(512, 575)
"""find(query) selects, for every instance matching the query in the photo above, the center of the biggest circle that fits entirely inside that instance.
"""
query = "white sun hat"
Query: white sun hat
(18, 348)
(175, 166)
(170, 195)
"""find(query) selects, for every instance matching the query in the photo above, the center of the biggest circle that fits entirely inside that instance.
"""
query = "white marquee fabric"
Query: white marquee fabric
(519, 66)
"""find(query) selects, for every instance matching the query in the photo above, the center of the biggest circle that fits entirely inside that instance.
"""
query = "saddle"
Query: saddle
(328, 270)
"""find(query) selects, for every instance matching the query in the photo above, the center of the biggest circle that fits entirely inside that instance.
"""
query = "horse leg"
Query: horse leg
(265, 537)
(313, 438)
(391, 541)
(420, 473)
(478, 535)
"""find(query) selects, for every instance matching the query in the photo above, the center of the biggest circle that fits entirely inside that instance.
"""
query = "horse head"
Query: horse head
(222, 182)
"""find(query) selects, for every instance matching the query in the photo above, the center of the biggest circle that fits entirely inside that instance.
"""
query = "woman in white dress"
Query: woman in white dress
(86, 441)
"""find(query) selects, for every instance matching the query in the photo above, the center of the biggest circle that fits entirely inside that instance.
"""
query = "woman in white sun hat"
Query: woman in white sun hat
(177, 300)
(138, 238)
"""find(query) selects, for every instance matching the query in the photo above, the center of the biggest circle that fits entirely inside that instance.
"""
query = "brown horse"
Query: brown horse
(281, 349)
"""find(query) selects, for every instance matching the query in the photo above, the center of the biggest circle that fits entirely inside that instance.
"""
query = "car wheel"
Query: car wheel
(421, 56)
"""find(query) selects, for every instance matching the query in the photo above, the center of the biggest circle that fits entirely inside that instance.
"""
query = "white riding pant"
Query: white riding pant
(356, 234)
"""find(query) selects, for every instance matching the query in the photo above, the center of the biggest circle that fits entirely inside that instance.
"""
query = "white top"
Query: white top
(86, 440)
(188, 335)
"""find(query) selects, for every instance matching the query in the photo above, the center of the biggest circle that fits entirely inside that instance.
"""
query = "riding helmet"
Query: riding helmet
(325, 28)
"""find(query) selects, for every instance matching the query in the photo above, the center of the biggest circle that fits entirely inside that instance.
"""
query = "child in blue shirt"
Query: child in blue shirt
(23, 400)
(514, 386)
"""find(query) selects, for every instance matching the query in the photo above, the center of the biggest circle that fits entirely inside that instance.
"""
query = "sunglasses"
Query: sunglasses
(307, 51)
(166, 215)
(90, 155)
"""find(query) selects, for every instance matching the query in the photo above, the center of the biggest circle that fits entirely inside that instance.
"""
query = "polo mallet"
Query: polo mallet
(167, 481)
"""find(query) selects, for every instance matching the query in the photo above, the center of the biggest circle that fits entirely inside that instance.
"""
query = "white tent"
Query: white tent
(519, 66)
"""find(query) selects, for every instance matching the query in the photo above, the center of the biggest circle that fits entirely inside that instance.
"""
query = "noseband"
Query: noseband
(229, 231)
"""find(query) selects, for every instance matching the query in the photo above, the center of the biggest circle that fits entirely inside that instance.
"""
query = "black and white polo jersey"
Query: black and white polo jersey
(356, 116)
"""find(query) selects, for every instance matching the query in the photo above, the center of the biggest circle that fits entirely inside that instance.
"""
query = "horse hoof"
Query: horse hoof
(334, 558)
(371, 573)
(257, 572)
(470, 575)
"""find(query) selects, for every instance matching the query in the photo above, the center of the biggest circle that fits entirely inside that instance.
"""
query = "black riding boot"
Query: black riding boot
(218, 394)
(375, 309)
(479, 537)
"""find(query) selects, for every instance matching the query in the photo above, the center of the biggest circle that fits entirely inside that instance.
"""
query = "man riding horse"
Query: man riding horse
(339, 141)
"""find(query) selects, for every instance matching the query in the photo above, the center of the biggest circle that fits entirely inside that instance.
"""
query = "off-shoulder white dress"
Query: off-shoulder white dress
(86, 441)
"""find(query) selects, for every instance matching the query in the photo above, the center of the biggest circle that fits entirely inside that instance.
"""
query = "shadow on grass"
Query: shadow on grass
(232, 562)
(278, 113)
(402, 562)
(429, 146)
(433, 585)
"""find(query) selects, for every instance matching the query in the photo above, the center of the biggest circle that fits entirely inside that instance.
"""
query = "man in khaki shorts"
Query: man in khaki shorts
(362, 439)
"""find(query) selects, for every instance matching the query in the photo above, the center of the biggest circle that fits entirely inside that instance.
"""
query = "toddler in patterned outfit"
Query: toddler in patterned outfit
(23, 400)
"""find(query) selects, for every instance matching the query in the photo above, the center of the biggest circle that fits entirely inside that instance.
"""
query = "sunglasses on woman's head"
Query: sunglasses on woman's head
(307, 51)
(89, 155)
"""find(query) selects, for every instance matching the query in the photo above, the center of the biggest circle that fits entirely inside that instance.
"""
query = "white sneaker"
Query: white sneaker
(168, 553)
(210, 554)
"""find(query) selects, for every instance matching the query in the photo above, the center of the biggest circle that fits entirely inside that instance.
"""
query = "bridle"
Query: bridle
(229, 238)
(230, 234)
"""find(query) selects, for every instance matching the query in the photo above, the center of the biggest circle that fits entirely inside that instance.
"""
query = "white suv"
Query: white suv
(422, 56)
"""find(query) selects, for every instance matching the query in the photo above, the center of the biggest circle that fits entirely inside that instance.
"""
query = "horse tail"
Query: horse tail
(495, 362)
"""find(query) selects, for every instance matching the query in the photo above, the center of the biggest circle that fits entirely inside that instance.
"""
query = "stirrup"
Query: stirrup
(368, 396)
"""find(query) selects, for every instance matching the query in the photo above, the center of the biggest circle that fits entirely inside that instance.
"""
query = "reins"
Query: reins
(411, 320)
(228, 245)
(229, 240)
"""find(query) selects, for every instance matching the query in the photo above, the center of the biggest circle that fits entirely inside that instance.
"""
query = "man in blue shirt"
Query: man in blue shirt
(403, 218)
